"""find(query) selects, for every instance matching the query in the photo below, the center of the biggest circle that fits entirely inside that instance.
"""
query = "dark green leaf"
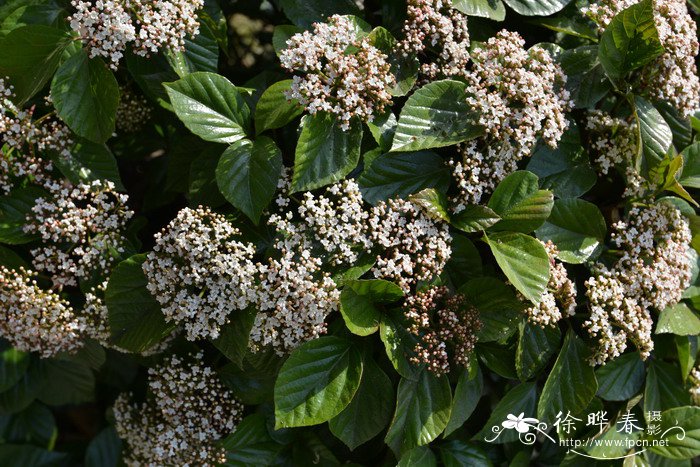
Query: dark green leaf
(317, 382)
(274, 110)
(433, 202)
(13, 365)
(682, 442)
(29, 56)
(399, 344)
(499, 309)
(135, 319)
(86, 95)
(621, 378)
(325, 153)
(475, 218)
(630, 41)
(248, 173)
(88, 162)
(14, 209)
(305, 12)
(654, 133)
(536, 346)
(690, 176)
(420, 456)
(70, 383)
(571, 385)
(577, 228)
(491, 9)
(399, 175)
(104, 450)
(664, 387)
(251, 443)
(678, 319)
(523, 260)
(522, 206)
(467, 394)
(15, 455)
(435, 115)
(457, 453)
(377, 290)
(422, 411)
(210, 107)
(370, 410)
(233, 340)
(537, 7)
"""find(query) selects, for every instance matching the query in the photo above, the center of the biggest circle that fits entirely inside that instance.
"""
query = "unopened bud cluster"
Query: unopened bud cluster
(445, 327)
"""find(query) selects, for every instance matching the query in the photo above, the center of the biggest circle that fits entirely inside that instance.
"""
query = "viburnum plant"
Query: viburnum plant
(299, 232)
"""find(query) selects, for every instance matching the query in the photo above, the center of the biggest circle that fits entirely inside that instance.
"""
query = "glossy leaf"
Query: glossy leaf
(519, 202)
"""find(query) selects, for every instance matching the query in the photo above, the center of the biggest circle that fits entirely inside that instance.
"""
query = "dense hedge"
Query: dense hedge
(326, 232)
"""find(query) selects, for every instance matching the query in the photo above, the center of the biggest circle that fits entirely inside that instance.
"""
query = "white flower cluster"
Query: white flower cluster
(187, 411)
(36, 320)
(559, 299)
(24, 138)
(694, 379)
(133, 111)
(336, 221)
(107, 27)
(81, 227)
(336, 80)
(653, 271)
(673, 76)
(294, 297)
(414, 247)
(435, 25)
(519, 97)
(614, 145)
(199, 272)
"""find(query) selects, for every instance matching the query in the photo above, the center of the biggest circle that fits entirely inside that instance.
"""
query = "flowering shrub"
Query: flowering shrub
(300, 232)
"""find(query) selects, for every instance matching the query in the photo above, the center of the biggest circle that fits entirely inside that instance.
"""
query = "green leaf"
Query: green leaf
(577, 228)
(690, 176)
(27, 388)
(576, 27)
(70, 383)
(36, 425)
(621, 378)
(150, 74)
(468, 391)
(522, 206)
(135, 319)
(464, 262)
(86, 95)
(248, 173)
(377, 290)
(491, 9)
(281, 34)
(571, 384)
(400, 175)
(664, 387)
(683, 443)
(678, 319)
(422, 411)
(535, 348)
(499, 309)
(630, 41)
(369, 412)
(655, 136)
(435, 115)
(537, 7)
(251, 443)
(317, 382)
(29, 56)
(383, 129)
(420, 456)
(233, 340)
(433, 202)
(203, 188)
(16, 455)
(305, 12)
(523, 260)
(325, 153)
(104, 450)
(12, 260)
(274, 110)
(13, 365)
(457, 453)
(14, 210)
(360, 315)
(88, 162)
(202, 51)
(210, 107)
(521, 399)
(399, 344)
(475, 218)
(566, 170)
